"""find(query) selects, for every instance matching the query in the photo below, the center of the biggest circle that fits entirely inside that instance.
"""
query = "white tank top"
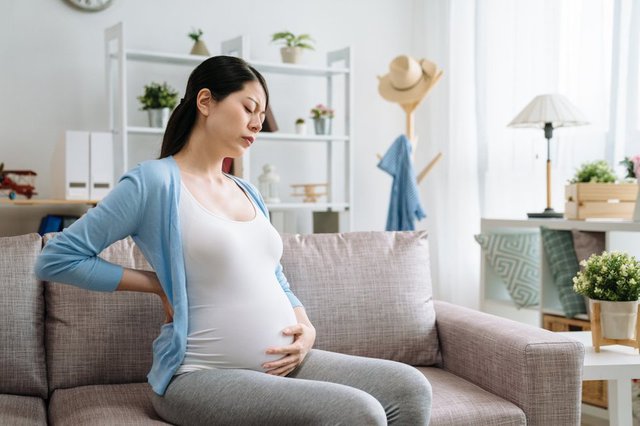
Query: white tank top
(237, 308)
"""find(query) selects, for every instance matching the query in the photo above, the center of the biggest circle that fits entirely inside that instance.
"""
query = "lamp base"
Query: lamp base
(548, 213)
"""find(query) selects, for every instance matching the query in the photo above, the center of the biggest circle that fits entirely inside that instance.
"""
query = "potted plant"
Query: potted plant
(293, 45)
(613, 280)
(301, 127)
(594, 172)
(322, 116)
(591, 191)
(159, 100)
(199, 48)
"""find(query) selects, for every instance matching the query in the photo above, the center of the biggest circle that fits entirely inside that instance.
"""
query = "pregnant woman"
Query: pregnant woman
(237, 344)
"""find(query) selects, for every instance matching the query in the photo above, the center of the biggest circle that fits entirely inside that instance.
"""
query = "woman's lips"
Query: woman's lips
(249, 139)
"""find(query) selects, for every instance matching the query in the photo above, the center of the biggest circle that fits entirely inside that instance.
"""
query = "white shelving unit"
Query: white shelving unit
(494, 298)
(339, 65)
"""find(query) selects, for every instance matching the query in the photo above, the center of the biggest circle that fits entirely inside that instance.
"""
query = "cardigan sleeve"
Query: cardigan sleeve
(71, 256)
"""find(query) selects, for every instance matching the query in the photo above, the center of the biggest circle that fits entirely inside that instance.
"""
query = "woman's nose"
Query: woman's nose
(255, 125)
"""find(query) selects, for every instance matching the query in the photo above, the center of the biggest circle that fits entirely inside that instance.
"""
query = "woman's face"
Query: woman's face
(232, 124)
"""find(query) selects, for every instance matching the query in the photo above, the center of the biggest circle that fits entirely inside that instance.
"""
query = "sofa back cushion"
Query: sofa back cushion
(22, 356)
(101, 338)
(366, 293)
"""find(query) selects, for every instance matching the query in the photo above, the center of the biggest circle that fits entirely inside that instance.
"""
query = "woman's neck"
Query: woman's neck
(196, 160)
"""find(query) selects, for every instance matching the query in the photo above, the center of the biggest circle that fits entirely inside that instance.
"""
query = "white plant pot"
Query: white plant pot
(291, 55)
(618, 319)
(301, 129)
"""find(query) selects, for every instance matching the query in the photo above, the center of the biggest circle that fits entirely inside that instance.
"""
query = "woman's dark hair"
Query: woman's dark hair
(222, 75)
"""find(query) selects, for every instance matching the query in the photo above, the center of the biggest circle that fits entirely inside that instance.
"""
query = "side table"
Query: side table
(616, 364)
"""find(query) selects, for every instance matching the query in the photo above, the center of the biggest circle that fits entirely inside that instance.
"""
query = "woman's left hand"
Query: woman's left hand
(304, 337)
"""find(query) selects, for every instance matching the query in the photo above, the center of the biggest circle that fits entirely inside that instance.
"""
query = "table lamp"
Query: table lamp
(548, 112)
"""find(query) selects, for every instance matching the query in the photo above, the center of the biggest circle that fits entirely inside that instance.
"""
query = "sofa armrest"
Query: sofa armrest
(539, 371)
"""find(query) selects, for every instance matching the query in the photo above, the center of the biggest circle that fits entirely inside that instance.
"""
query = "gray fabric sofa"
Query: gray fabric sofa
(73, 357)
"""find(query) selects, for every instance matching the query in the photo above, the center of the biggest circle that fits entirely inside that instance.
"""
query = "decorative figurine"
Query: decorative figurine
(269, 180)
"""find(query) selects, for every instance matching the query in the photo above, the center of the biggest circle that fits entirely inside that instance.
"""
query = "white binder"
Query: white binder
(76, 165)
(100, 165)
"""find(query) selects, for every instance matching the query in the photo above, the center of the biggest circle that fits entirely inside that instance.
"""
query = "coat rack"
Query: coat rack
(409, 110)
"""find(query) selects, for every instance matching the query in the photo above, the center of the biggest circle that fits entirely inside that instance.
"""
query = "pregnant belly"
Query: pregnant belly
(237, 335)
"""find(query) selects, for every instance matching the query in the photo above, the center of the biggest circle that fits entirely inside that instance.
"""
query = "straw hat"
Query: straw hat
(408, 80)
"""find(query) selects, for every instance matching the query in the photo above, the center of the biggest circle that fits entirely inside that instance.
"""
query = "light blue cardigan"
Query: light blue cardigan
(144, 205)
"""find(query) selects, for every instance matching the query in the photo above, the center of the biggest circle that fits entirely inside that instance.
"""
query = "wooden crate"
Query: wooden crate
(600, 200)
(594, 392)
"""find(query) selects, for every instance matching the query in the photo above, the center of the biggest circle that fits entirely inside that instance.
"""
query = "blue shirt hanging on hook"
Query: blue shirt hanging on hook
(404, 206)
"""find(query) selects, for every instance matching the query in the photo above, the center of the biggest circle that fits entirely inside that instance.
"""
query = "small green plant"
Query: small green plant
(158, 96)
(611, 276)
(321, 111)
(300, 121)
(596, 171)
(195, 34)
(287, 38)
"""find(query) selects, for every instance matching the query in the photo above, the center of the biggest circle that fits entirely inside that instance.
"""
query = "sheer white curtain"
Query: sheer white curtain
(498, 55)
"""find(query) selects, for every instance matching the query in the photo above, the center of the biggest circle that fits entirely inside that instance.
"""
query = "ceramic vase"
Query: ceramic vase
(291, 55)
(199, 48)
(301, 128)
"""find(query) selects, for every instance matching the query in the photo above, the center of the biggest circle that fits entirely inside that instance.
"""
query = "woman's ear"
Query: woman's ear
(203, 101)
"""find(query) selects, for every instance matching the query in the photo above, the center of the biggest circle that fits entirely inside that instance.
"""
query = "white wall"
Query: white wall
(52, 72)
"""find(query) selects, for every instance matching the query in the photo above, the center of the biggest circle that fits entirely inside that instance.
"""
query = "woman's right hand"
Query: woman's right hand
(168, 309)
(146, 282)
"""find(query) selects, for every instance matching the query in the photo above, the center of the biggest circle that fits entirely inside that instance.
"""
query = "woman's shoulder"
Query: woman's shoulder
(152, 173)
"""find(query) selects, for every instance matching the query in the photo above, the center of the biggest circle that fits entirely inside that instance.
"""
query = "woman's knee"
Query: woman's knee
(359, 408)
(408, 396)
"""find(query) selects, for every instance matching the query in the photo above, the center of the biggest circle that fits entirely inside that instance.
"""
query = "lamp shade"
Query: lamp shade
(554, 109)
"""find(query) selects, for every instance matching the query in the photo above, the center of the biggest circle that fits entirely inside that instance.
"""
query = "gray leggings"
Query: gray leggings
(328, 388)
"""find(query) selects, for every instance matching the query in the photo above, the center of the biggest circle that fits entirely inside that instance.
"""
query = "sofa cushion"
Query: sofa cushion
(100, 338)
(515, 258)
(366, 293)
(563, 264)
(126, 404)
(586, 243)
(22, 356)
(459, 402)
(18, 410)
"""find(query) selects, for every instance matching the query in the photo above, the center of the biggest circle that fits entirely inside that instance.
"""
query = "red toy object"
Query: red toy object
(18, 182)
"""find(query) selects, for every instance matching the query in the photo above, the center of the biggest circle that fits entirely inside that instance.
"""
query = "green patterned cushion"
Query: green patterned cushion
(561, 255)
(516, 259)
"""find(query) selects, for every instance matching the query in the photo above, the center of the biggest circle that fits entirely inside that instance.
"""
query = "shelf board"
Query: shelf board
(137, 130)
(294, 69)
(163, 58)
(192, 60)
(308, 206)
(582, 225)
(45, 202)
(276, 136)
(295, 137)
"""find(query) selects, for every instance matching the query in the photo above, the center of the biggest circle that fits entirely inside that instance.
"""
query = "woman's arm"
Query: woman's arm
(71, 256)
(145, 282)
